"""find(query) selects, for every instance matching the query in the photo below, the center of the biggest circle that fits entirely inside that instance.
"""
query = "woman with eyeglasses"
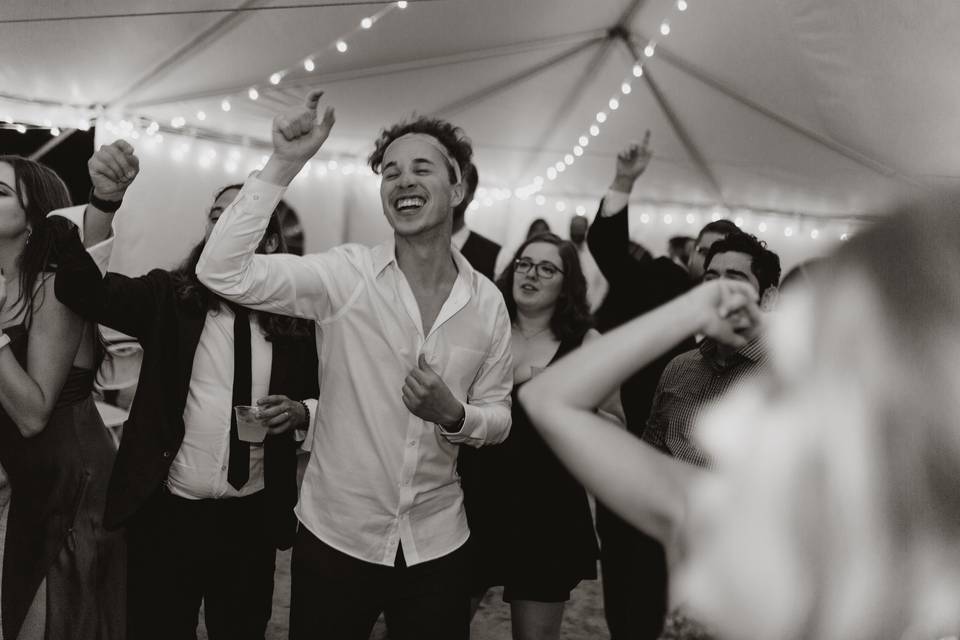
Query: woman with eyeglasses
(530, 522)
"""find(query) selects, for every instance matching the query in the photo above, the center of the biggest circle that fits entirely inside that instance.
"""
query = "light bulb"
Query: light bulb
(668, 219)
(341, 46)
(601, 116)
(366, 23)
(178, 122)
(814, 233)
(665, 28)
(788, 231)
(584, 141)
(561, 206)
(578, 151)
(637, 71)
(309, 65)
(594, 130)
(690, 218)
(644, 218)
(561, 167)
(253, 93)
(649, 50)
(625, 88)
(551, 174)
(225, 104)
(762, 227)
(581, 210)
(275, 78)
(568, 159)
(201, 115)
(402, 4)
(614, 104)
(55, 131)
(681, 5)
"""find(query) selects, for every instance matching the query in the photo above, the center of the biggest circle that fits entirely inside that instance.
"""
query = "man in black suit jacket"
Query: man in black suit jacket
(196, 531)
(480, 252)
(633, 564)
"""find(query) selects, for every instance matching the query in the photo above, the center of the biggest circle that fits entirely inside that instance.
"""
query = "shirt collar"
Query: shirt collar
(386, 253)
(755, 350)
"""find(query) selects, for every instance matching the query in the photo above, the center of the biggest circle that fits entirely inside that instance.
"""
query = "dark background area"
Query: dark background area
(68, 159)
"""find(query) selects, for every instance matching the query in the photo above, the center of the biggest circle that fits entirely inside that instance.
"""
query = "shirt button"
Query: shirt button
(412, 443)
(223, 468)
(165, 454)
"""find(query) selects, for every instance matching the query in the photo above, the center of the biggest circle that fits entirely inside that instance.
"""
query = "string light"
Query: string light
(402, 4)
(178, 122)
(253, 94)
(201, 116)
(614, 104)
(581, 210)
(649, 50)
(308, 64)
(625, 88)
(681, 5)
(561, 167)
(21, 128)
(55, 131)
(644, 218)
(578, 151)
(637, 71)
(225, 104)
(561, 206)
(594, 130)
(551, 173)
(366, 23)
(601, 116)
(665, 28)
(691, 218)
(342, 46)
(568, 159)
(275, 78)
(762, 227)
(788, 231)
(668, 219)
(814, 234)
(584, 141)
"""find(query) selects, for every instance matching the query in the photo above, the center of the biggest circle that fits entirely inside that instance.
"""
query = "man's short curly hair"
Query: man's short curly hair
(451, 137)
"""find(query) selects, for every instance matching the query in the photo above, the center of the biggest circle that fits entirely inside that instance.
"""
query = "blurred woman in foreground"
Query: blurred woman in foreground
(834, 511)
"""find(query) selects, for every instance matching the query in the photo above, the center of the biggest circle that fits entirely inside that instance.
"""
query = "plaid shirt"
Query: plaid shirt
(692, 381)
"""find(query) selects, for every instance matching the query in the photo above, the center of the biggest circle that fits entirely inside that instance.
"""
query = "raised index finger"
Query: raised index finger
(646, 140)
(313, 99)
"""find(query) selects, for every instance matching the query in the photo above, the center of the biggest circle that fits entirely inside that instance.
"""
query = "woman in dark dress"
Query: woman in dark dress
(530, 521)
(63, 574)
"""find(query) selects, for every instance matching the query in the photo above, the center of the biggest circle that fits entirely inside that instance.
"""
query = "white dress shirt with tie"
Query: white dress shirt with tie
(378, 476)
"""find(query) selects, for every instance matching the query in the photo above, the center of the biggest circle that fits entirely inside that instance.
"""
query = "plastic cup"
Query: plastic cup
(249, 426)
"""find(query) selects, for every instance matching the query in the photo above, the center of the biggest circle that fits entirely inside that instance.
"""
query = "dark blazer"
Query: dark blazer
(148, 309)
(636, 287)
(481, 253)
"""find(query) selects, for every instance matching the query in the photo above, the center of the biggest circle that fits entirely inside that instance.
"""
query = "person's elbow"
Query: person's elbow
(534, 397)
(33, 424)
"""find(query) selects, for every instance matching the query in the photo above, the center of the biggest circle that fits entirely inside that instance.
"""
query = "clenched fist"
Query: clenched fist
(429, 398)
(113, 167)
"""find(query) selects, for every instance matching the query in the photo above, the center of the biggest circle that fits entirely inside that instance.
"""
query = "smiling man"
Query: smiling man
(415, 357)
(698, 377)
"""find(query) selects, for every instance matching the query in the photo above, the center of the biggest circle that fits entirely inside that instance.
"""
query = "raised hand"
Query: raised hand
(728, 311)
(113, 167)
(633, 160)
(428, 397)
(298, 137)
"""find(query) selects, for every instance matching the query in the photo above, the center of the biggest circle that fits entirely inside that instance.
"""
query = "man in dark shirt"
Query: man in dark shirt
(479, 251)
(633, 565)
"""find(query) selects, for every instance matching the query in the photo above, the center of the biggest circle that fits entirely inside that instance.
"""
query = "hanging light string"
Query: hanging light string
(553, 171)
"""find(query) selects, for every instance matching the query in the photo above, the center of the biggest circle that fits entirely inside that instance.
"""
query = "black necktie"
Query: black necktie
(239, 470)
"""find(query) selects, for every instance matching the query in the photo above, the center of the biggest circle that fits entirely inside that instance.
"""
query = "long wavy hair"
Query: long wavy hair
(191, 292)
(39, 191)
(571, 315)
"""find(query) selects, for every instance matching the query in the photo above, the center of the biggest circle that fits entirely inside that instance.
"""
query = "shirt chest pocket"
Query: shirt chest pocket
(461, 369)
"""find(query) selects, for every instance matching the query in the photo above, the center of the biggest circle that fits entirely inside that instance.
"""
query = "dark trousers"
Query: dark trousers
(183, 552)
(337, 597)
(634, 571)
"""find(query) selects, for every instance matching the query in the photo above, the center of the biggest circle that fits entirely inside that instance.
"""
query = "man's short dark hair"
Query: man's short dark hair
(723, 226)
(764, 263)
(470, 182)
(451, 137)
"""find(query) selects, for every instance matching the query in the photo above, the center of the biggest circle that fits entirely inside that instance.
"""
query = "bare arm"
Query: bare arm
(29, 396)
(645, 487)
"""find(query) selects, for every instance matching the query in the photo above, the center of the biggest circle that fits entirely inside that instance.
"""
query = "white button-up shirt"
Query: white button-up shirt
(378, 475)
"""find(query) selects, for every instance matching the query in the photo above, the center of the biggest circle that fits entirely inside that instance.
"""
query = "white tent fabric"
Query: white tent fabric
(826, 109)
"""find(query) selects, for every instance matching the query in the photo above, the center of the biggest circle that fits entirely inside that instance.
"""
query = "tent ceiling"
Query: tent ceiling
(822, 107)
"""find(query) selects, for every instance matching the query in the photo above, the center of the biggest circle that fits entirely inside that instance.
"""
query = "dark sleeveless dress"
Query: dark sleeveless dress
(531, 529)
(58, 482)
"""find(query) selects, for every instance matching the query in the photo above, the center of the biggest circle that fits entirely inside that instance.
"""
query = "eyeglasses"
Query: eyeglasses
(545, 270)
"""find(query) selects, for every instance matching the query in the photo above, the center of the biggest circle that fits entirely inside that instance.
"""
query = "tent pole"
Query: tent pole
(326, 79)
(681, 132)
(206, 37)
(818, 138)
(51, 144)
